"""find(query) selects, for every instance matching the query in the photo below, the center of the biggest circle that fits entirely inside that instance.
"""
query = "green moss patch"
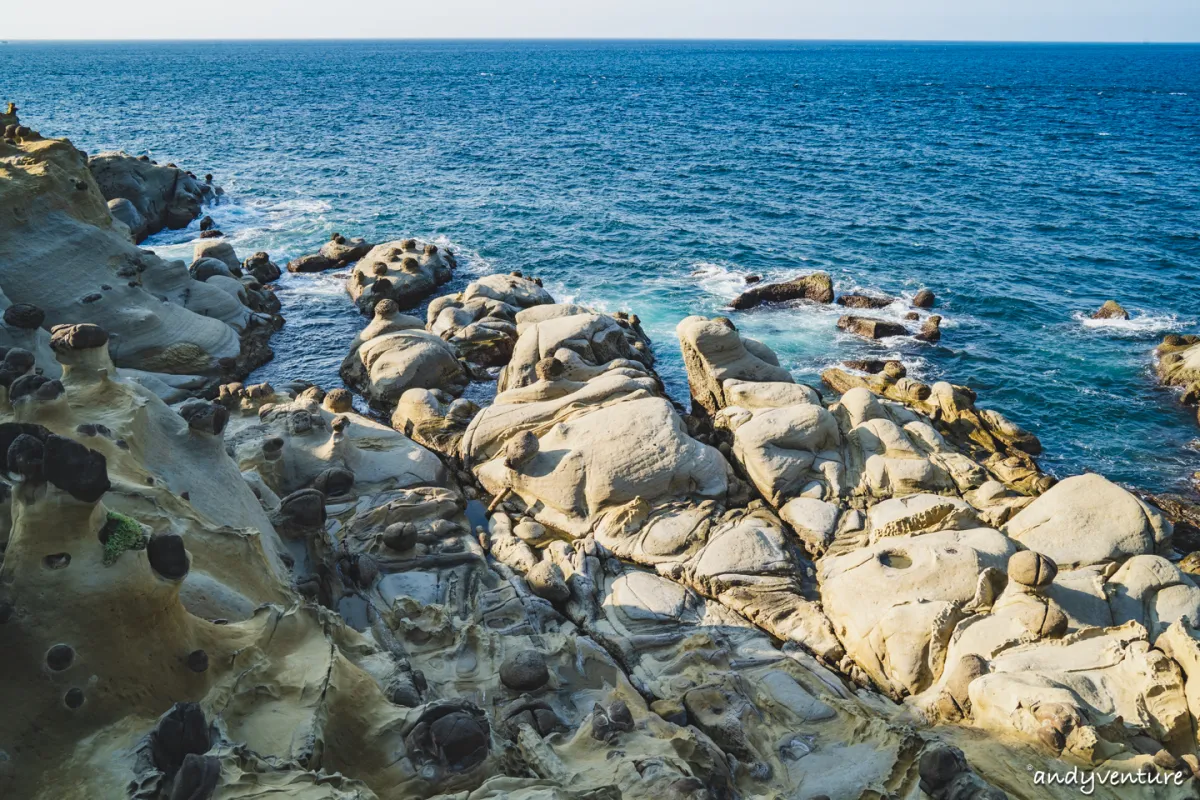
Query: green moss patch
(120, 533)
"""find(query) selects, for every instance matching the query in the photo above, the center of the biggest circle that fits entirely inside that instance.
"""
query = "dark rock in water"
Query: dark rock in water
(817, 287)
(931, 330)
(197, 778)
(871, 328)
(261, 267)
(863, 301)
(923, 299)
(207, 224)
(1111, 310)
(24, 315)
(525, 671)
(167, 555)
(211, 233)
(912, 316)
(311, 263)
(753, 278)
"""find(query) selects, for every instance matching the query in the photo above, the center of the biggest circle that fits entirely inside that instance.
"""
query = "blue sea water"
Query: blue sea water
(1024, 184)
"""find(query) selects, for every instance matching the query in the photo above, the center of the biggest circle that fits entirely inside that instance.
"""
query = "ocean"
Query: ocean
(1023, 184)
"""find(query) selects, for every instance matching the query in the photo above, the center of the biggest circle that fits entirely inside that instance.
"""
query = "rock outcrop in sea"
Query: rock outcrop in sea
(581, 589)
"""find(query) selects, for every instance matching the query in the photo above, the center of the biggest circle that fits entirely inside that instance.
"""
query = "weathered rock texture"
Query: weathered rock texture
(405, 271)
(147, 197)
(575, 592)
(62, 253)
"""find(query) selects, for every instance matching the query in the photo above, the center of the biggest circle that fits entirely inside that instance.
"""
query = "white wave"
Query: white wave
(725, 281)
(1138, 325)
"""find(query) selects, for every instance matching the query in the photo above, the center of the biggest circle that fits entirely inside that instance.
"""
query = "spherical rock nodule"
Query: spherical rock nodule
(1032, 569)
(549, 369)
(525, 672)
(939, 765)
(334, 481)
(520, 449)
(25, 316)
(83, 336)
(167, 555)
(197, 661)
(339, 401)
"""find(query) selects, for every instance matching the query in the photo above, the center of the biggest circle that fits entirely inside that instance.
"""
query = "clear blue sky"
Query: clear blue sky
(1005, 20)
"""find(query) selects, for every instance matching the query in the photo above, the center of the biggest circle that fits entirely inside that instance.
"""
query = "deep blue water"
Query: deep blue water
(1024, 184)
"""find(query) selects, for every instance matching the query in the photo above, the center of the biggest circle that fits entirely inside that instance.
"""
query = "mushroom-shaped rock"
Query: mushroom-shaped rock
(84, 336)
(24, 316)
(204, 416)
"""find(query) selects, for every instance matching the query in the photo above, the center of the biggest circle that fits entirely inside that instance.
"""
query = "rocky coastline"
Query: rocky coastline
(215, 589)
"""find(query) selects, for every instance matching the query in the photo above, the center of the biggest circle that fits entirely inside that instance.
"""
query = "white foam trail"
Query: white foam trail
(1139, 325)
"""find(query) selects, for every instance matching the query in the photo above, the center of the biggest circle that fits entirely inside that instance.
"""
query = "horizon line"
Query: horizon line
(584, 39)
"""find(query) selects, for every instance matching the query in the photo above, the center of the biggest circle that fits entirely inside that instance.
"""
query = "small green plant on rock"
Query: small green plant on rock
(120, 533)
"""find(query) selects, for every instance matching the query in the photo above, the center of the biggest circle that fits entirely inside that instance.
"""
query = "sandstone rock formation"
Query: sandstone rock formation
(337, 253)
(575, 591)
(61, 252)
(394, 353)
(405, 272)
(817, 287)
(481, 321)
(1178, 364)
(148, 197)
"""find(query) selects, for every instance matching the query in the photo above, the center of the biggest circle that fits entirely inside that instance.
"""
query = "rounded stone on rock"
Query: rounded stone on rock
(197, 661)
(167, 555)
(59, 657)
(20, 359)
(549, 369)
(24, 315)
(386, 308)
(546, 581)
(205, 417)
(923, 299)
(400, 536)
(460, 738)
(939, 765)
(83, 336)
(334, 481)
(525, 671)
(1032, 569)
(520, 449)
(305, 507)
(339, 401)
